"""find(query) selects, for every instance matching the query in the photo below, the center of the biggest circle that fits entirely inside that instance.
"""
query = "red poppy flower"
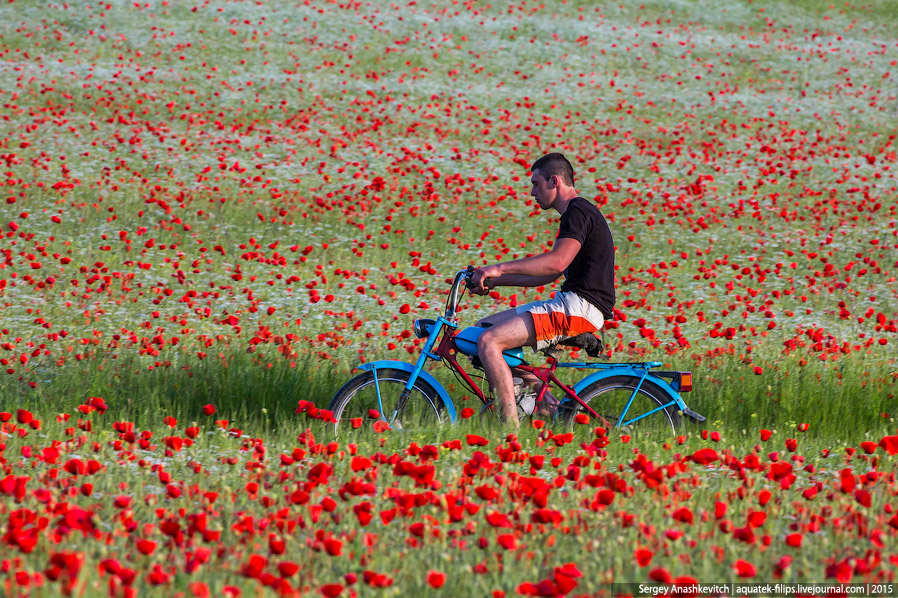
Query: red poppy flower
(756, 518)
(683, 514)
(673, 534)
(720, 509)
(475, 440)
(704, 456)
(643, 556)
(287, 568)
(841, 571)
(331, 590)
(497, 519)
(436, 579)
(744, 569)
(146, 546)
(333, 547)
(889, 444)
(605, 496)
(507, 541)
(486, 492)
(660, 575)
(780, 470)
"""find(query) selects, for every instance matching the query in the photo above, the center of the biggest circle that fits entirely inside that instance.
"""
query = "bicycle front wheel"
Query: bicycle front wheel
(609, 398)
(361, 402)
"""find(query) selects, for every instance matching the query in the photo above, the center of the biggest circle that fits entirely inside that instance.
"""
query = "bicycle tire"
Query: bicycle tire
(423, 409)
(609, 396)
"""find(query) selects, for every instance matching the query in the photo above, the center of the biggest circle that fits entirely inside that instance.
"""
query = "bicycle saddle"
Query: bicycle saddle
(587, 341)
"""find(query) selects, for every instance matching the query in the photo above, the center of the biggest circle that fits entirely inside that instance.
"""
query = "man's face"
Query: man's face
(543, 190)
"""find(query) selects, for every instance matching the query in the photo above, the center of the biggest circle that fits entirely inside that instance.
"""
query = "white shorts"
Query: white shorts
(564, 316)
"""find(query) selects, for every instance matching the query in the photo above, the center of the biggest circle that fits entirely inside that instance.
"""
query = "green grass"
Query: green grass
(850, 400)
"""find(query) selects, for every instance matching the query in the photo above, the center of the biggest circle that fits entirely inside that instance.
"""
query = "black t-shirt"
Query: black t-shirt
(591, 274)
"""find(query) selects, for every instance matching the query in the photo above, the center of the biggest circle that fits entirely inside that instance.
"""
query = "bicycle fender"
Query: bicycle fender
(410, 368)
(633, 372)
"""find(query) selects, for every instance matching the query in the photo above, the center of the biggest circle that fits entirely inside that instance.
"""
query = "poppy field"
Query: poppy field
(212, 211)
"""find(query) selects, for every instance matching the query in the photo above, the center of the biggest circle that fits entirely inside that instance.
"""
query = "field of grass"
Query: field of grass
(234, 203)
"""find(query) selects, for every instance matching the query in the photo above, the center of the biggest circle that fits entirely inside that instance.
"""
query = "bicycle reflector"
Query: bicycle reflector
(423, 327)
(681, 381)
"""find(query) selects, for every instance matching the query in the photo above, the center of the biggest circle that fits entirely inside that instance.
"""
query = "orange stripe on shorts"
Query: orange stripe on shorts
(558, 323)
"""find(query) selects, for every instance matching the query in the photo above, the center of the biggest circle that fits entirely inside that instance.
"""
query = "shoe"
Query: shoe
(527, 403)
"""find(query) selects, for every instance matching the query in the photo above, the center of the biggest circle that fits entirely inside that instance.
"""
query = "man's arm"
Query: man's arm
(551, 264)
(520, 280)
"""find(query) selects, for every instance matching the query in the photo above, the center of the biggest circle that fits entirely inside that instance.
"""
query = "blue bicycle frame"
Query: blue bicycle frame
(445, 347)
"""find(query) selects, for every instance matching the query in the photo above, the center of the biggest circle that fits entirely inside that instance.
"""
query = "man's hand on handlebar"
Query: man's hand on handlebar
(480, 283)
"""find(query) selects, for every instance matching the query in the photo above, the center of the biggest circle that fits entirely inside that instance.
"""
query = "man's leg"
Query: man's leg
(497, 318)
(549, 403)
(509, 332)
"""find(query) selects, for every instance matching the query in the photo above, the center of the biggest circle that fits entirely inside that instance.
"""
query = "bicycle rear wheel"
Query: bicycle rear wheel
(357, 403)
(609, 397)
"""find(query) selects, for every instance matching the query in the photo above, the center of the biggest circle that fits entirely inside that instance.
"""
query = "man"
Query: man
(583, 252)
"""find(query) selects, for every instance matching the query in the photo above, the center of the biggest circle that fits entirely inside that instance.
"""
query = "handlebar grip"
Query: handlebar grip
(469, 272)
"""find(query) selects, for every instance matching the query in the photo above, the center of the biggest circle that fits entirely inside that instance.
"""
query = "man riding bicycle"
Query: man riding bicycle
(583, 252)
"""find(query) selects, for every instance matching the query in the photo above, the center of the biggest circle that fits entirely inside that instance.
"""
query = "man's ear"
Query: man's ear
(553, 181)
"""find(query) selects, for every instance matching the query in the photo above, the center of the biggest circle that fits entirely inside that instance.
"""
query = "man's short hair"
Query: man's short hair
(555, 164)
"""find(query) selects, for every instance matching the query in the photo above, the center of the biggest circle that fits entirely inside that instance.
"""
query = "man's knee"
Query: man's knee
(485, 341)
(514, 331)
(492, 340)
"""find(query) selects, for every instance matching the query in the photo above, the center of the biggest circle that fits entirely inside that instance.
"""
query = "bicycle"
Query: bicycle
(405, 396)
